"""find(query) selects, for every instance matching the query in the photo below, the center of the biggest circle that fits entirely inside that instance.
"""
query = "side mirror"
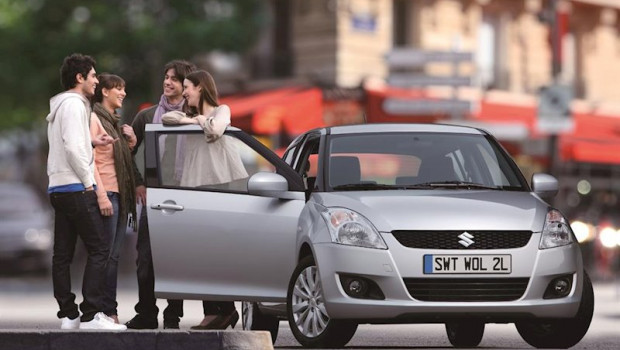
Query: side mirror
(544, 185)
(271, 185)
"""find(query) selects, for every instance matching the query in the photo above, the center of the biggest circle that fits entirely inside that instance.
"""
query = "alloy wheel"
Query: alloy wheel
(308, 305)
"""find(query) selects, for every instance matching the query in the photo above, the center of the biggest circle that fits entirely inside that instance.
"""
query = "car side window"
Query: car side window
(188, 161)
(493, 168)
(307, 164)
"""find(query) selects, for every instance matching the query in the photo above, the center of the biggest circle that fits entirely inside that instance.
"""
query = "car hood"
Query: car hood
(443, 209)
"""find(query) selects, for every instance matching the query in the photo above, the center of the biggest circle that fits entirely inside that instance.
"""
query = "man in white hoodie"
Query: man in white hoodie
(70, 167)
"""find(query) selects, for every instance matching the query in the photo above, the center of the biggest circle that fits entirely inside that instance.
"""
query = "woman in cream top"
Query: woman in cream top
(211, 159)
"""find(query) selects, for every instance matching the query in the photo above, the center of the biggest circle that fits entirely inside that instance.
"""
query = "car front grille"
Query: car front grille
(466, 289)
(450, 239)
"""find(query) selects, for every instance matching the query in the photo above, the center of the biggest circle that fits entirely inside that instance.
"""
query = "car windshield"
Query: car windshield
(420, 161)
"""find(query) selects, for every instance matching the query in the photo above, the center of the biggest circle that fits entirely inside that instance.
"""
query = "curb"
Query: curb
(135, 340)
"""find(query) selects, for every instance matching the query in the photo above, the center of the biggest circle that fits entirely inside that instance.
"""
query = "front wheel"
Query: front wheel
(465, 334)
(306, 311)
(563, 333)
(254, 320)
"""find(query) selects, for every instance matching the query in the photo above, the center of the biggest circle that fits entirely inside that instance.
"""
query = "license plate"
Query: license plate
(464, 264)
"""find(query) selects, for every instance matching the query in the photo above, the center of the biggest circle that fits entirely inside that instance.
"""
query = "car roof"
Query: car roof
(402, 127)
(352, 129)
(184, 127)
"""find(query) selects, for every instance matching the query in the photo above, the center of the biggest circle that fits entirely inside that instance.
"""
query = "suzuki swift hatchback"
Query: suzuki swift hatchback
(381, 223)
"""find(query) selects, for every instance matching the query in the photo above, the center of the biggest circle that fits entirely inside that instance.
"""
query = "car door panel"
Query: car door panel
(222, 245)
(218, 244)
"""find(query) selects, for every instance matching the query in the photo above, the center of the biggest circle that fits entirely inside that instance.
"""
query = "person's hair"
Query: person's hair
(107, 81)
(72, 66)
(181, 68)
(209, 91)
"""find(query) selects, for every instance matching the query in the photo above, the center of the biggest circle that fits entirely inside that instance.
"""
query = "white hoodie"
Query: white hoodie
(70, 157)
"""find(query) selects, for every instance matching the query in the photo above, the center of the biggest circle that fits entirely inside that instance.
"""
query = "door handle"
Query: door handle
(167, 206)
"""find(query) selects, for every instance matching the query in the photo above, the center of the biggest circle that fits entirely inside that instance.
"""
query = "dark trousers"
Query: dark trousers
(77, 214)
(114, 228)
(146, 305)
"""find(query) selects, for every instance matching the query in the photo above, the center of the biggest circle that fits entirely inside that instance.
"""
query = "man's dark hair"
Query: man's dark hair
(181, 68)
(72, 66)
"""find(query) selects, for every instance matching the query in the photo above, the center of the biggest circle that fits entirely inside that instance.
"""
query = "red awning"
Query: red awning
(503, 113)
(595, 139)
(590, 150)
(294, 110)
(247, 104)
(374, 106)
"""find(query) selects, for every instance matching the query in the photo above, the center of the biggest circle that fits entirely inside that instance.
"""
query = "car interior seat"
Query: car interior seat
(344, 170)
(406, 180)
(436, 169)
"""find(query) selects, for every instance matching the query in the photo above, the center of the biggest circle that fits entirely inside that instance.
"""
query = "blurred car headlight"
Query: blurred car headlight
(351, 228)
(40, 239)
(556, 232)
(608, 237)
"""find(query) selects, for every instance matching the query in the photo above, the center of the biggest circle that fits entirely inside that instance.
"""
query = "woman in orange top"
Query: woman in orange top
(114, 176)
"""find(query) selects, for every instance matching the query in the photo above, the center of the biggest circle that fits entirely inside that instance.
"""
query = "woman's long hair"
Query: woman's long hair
(209, 91)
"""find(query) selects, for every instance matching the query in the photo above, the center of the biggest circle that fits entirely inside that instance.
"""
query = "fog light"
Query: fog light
(357, 287)
(360, 287)
(559, 287)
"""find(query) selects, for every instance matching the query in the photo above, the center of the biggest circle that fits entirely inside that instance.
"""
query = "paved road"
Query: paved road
(27, 303)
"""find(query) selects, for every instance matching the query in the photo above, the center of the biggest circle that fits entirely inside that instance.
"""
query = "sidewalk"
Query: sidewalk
(28, 302)
(28, 321)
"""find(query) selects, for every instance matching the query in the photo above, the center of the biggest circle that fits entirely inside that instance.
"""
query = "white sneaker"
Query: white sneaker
(68, 323)
(102, 322)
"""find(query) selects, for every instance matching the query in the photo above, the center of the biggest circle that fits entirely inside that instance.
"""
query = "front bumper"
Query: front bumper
(388, 268)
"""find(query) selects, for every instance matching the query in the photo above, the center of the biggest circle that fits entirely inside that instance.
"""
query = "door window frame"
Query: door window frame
(152, 159)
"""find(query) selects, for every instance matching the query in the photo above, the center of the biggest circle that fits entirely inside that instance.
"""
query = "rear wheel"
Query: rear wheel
(465, 334)
(563, 333)
(254, 320)
(307, 316)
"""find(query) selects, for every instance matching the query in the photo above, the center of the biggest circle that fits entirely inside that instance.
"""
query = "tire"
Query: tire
(465, 334)
(563, 333)
(305, 303)
(254, 320)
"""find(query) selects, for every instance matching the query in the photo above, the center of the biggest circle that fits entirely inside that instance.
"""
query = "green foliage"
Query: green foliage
(131, 38)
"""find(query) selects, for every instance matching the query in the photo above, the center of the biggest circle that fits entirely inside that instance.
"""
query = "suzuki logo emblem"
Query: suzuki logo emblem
(466, 239)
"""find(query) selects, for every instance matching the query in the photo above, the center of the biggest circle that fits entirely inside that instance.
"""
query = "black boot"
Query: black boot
(142, 322)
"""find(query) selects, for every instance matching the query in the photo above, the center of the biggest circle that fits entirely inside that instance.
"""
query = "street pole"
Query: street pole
(556, 69)
(556, 42)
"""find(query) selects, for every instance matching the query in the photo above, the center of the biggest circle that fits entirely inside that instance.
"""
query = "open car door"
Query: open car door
(220, 241)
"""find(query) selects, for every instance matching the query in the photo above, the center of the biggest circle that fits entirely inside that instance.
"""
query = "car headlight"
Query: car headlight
(351, 228)
(556, 232)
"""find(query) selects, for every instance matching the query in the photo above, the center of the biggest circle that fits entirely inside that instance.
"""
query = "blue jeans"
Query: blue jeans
(114, 228)
(77, 215)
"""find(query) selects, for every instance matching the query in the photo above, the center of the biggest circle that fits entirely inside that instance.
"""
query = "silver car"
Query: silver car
(380, 223)
(25, 230)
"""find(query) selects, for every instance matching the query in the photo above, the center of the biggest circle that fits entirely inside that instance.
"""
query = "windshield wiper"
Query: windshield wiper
(460, 184)
(424, 186)
(365, 187)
